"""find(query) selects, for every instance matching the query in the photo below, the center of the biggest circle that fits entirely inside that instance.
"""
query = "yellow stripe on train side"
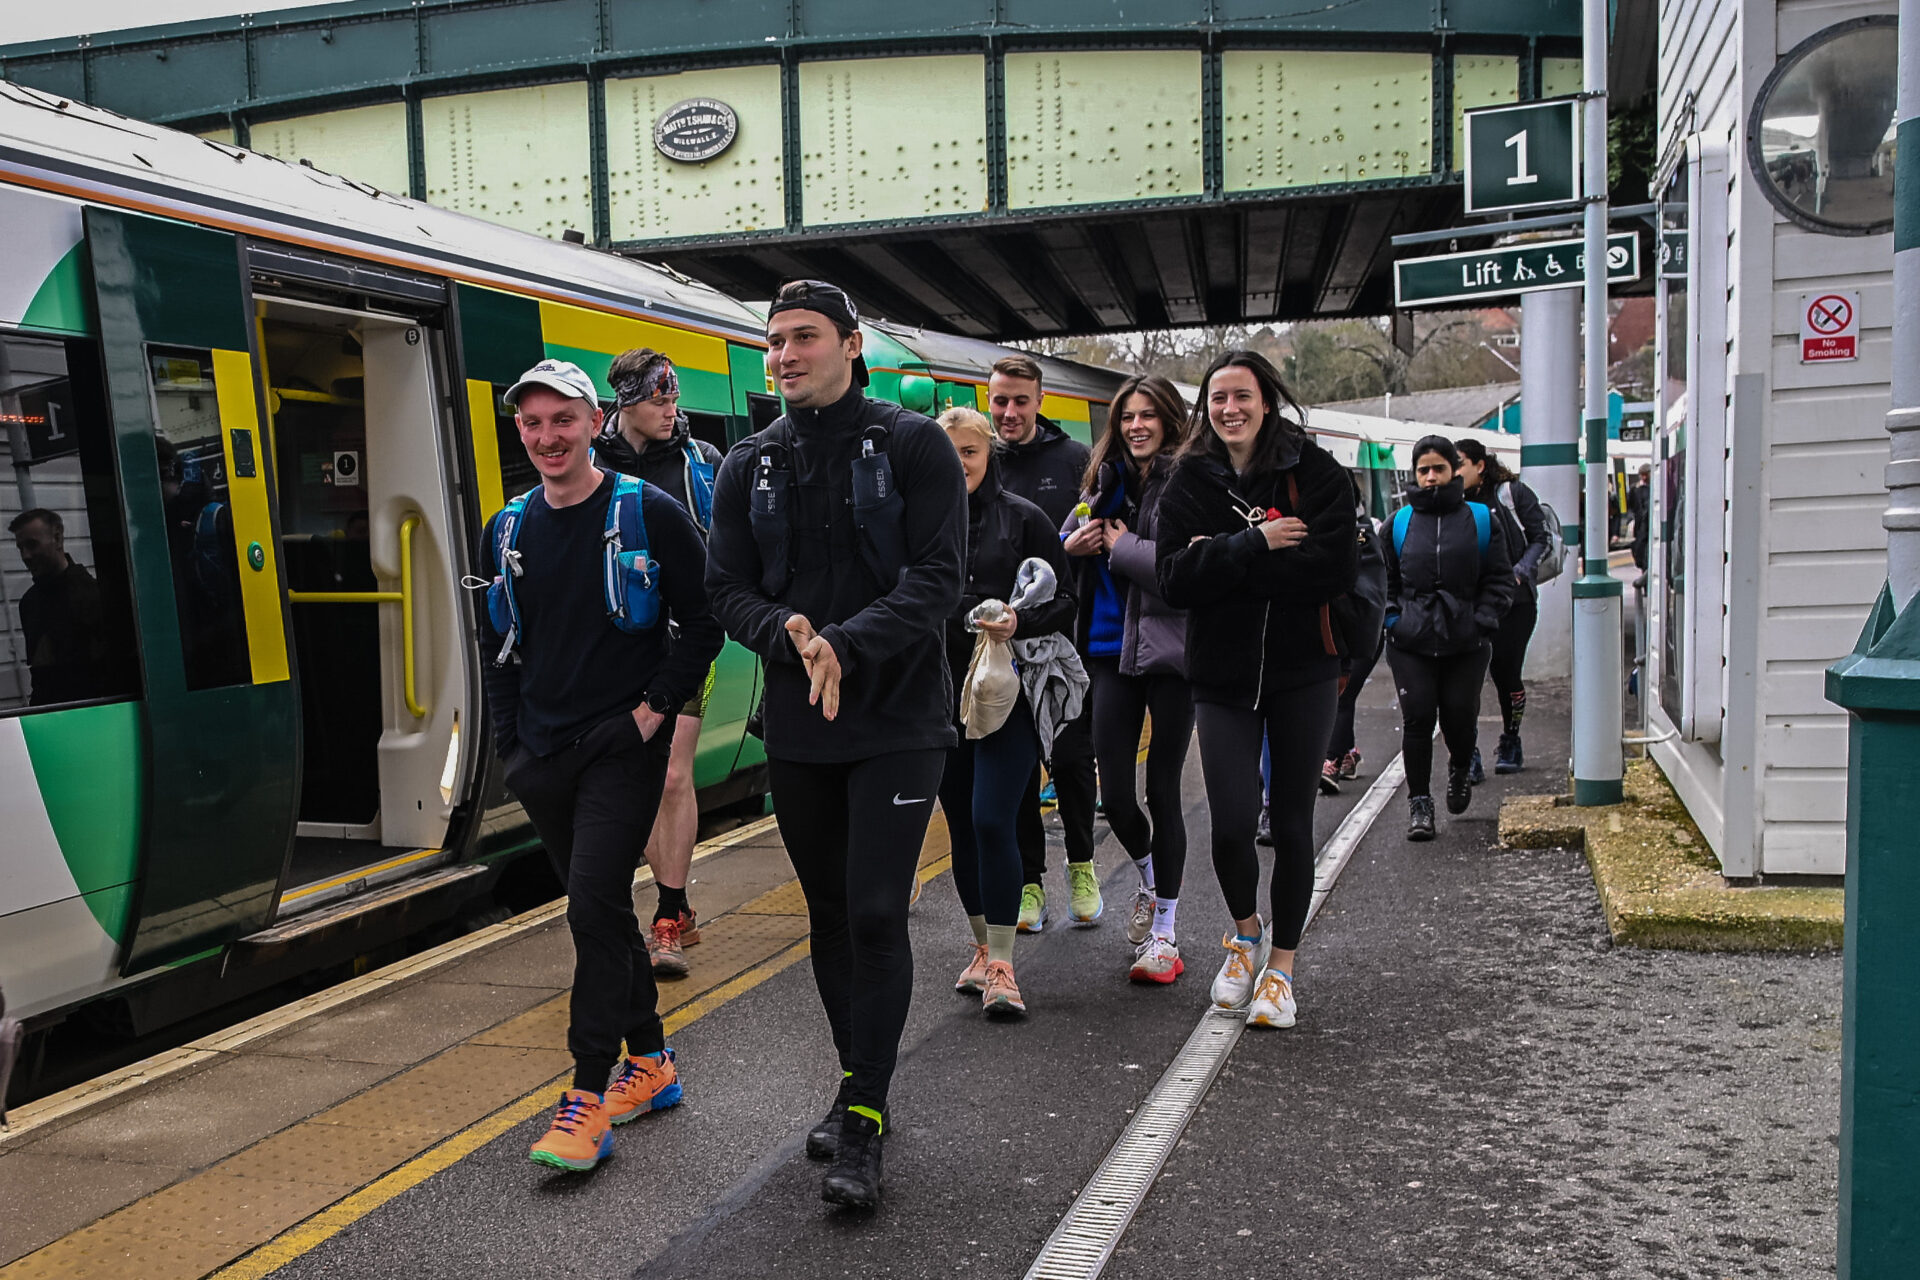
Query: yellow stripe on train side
(569, 326)
(252, 519)
(486, 448)
(1059, 408)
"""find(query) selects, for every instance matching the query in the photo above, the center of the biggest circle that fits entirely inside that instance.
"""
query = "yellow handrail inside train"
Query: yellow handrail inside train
(403, 597)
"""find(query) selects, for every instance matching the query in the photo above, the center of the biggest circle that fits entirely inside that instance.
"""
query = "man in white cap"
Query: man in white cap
(588, 570)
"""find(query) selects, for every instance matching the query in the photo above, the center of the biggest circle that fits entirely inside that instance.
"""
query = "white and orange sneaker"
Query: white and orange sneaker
(1158, 960)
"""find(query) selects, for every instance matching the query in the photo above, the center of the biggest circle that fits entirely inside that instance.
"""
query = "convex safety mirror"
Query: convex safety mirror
(1821, 137)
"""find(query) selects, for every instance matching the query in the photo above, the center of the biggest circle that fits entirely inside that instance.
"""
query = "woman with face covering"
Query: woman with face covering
(1517, 511)
(986, 777)
(1256, 536)
(1449, 579)
(1134, 644)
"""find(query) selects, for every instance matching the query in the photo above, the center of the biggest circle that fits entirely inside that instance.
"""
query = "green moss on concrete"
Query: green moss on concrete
(1658, 881)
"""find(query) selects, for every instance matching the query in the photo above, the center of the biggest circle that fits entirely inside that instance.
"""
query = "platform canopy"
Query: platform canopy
(1000, 168)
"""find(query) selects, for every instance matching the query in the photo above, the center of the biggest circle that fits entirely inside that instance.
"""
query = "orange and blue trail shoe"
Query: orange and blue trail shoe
(581, 1136)
(649, 1082)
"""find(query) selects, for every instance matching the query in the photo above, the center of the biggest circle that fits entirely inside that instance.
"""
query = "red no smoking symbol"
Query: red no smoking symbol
(1829, 314)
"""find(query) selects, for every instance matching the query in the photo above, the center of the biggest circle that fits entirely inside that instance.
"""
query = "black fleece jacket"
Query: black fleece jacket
(1253, 622)
(663, 463)
(1443, 595)
(1003, 531)
(895, 690)
(1525, 526)
(1046, 470)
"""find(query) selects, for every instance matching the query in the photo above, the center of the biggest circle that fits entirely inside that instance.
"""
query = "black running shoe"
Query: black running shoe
(1420, 818)
(823, 1140)
(1476, 773)
(1459, 789)
(1510, 758)
(854, 1180)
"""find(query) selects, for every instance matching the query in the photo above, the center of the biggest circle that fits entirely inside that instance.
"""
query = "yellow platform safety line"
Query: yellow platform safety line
(403, 597)
(252, 518)
(486, 448)
(568, 326)
(308, 890)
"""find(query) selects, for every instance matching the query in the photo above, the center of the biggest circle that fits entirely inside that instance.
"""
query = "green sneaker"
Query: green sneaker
(1033, 908)
(1083, 882)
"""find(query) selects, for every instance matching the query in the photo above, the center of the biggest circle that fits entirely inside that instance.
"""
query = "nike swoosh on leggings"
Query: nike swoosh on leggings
(898, 800)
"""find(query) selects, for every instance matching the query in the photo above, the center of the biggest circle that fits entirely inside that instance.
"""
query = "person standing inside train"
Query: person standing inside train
(650, 438)
(987, 776)
(1135, 649)
(1043, 464)
(1255, 538)
(1449, 581)
(839, 535)
(584, 702)
(1523, 526)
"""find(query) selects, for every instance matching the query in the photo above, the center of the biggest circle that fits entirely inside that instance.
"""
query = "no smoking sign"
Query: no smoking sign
(1829, 327)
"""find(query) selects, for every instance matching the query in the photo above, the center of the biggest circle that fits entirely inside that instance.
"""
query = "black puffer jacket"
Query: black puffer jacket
(1046, 470)
(663, 463)
(1254, 621)
(1443, 594)
(1003, 531)
(1525, 526)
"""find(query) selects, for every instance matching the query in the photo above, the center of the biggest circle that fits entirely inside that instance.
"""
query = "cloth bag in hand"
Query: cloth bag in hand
(986, 700)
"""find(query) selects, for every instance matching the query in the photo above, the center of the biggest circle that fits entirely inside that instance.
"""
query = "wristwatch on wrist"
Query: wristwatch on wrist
(660, 704)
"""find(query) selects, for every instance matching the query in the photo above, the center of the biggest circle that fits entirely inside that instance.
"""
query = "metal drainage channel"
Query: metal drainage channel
(1083, 1243)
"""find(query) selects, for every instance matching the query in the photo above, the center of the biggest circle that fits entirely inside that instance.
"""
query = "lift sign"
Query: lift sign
(1829, 327)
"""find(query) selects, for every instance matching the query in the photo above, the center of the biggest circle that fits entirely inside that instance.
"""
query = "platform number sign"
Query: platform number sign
(1523, 157)
(1829, 327)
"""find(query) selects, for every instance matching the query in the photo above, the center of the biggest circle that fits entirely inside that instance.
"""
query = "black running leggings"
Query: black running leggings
(1342, 741)
(1071, 769)
(980, 795)
(853, 832)
(1447, 688)
(1120, 706)
(1510, 655)
(593, 804)
(1296, 724)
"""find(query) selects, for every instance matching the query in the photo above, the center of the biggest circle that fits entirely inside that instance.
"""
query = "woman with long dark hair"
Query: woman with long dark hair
(1256, 537)
(1524, 525)
(1448, 582)
(1134, 644)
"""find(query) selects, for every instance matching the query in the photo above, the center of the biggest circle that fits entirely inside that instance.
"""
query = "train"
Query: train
(254, 425)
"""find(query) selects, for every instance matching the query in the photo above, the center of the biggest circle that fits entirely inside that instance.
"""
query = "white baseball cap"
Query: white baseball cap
(564, 376)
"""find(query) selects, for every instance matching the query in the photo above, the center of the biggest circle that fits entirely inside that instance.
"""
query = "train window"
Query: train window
(66, 609)
(762, 410)
(200, 546)
(711, 427)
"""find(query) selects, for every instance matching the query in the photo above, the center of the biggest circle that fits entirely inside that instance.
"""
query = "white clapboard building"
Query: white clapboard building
(1776, 183)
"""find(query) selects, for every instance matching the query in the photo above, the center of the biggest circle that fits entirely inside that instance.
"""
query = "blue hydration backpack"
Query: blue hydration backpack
(1482, 527)
(629, 578)
(699, 487)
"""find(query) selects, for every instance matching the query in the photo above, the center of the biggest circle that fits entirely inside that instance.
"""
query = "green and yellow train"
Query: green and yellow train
(256, 408)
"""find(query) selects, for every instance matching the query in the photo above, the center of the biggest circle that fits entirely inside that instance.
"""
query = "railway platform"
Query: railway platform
(1480, 1085)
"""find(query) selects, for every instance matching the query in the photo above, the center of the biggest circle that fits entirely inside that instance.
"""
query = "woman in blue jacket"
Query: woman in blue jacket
(1449, 581)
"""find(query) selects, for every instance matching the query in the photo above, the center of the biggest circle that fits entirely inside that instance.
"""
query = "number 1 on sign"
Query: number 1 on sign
(1521, 177)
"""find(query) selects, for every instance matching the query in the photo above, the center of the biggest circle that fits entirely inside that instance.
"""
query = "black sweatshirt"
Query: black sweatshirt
(572, 667)
(661, 462)
(895, 691)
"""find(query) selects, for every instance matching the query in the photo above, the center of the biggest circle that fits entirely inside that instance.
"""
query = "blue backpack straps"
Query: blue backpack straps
(503, 605)
(1482, 525)
(1401, 520)
(699, 486)
(630, 578)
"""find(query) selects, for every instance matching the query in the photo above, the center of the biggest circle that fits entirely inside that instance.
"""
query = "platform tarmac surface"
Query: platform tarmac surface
(1480, 1085)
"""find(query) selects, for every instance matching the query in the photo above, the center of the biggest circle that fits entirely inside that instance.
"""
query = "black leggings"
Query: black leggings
(1120, 705)
(1296, 724)
(980, 795)
(1071, 768)
(1510, 655)
(1446, 687)
(1342, 740)
(593, 804)
(853, 832)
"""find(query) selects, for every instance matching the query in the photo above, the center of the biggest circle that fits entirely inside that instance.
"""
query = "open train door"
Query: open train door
(221, 726)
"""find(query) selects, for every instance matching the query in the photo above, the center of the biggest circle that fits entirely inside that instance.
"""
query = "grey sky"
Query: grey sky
(27, 22)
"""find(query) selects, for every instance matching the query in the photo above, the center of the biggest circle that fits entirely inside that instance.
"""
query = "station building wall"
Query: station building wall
(1800, 453)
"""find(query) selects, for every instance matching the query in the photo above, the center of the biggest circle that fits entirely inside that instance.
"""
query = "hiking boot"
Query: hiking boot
(1509, 759)
(666, 949)
(1083, 888)
(1273, 1004)
(647, 1082)
(1140, 923)
(1157, 960)
(581, 1136)
(1330, 778)
(1001, 999)
(823, 1140)
(855, 1178)
(689, 928)
(1476, 773)
(1033, 908)
(1420, 818)
(1350, 765)
(973, 978)
(1459, 789)
(1233, 985)
(1263, 834)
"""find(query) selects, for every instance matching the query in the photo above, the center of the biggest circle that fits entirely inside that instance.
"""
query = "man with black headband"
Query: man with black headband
(838, 538)
(647, 436)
